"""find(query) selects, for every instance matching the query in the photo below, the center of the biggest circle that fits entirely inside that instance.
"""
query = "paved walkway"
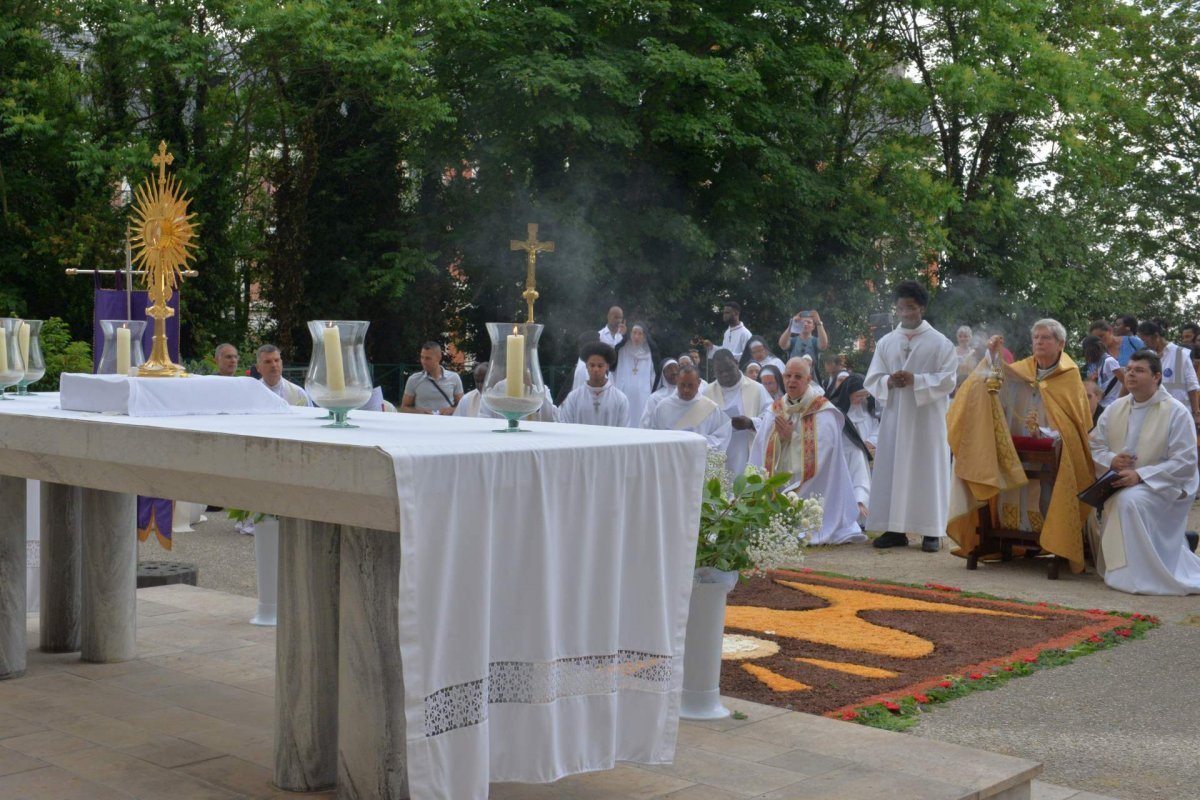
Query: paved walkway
(1120, 723)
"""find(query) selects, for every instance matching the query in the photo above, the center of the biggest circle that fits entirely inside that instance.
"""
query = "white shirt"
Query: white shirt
(610, 338)
(735, 340)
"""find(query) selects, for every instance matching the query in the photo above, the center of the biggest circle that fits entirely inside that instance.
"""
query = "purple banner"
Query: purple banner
(154, 516)
(110, 304)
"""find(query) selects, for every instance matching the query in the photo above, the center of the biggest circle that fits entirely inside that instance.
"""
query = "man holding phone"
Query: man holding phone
(805, 336)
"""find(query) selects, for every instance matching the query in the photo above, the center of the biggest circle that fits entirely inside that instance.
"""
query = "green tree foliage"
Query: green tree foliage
(373, 160)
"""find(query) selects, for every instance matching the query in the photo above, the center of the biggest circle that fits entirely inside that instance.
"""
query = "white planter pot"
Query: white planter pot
(266, 562)
(701, 698)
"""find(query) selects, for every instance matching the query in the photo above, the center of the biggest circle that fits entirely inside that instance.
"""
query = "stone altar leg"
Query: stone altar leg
(61, 508)
(12, 577)
(108, 577)
(306, 656)
(371, 729)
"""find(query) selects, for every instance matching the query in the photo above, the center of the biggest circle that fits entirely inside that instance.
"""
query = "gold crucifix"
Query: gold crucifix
(162, 161)
(532, 247)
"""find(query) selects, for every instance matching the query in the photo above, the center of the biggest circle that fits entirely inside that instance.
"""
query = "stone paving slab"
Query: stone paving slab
(174, 726)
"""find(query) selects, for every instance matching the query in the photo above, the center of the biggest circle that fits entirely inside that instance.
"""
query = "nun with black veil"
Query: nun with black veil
(853, 401)
(636, 372)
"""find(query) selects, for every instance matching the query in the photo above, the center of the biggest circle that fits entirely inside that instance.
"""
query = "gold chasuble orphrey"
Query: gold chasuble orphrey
(986, 461)
(799, 456)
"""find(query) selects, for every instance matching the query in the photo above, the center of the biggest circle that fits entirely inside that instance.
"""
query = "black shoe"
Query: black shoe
(1193, 539)
(931, 544)
(891, 539)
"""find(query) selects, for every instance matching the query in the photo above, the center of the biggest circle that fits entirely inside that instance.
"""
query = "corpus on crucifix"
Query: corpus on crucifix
(532, 247)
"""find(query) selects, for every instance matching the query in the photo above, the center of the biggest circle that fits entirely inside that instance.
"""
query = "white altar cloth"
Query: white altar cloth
(166, 397)
(544, 585)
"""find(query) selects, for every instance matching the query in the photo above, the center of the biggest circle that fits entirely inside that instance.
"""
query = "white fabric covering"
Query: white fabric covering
(531, 605)
(167, 397)
(910, 484)
(1143, 549)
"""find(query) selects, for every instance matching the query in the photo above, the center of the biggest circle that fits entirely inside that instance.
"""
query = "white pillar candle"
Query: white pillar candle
(514, 375)
(335, 377)
(123, 350)
(23, 344)
(3, 350)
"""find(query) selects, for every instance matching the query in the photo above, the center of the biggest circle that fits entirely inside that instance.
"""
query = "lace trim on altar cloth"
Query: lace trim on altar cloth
(466, 704)
(33, 553)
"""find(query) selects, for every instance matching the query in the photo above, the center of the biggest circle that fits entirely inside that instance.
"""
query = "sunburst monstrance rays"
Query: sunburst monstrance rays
(164, 230)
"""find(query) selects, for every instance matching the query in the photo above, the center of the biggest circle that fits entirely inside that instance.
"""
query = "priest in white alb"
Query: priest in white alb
(743, 400)
(1149, 439)
(801, 434)
(688, 410)
(912, 375)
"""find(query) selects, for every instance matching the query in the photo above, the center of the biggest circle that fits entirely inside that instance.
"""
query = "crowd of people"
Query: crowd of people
(908, 448)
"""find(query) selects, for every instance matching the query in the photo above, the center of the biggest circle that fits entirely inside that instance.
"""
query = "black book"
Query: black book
(1098, 493)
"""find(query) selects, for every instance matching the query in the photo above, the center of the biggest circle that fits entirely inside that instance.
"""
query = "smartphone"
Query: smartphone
(796, 325)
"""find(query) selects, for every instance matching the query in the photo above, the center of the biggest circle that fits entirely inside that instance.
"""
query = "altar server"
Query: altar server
(688, 410)
(743, 400)
(1149, 438)
(269, 363)
(801, 434)
(471, 404)
(911, 375)
(597, 402)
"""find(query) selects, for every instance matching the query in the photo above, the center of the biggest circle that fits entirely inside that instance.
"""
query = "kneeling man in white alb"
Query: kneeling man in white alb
(1149, 439)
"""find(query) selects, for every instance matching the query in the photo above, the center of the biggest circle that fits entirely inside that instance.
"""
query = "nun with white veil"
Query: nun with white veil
(635, 374)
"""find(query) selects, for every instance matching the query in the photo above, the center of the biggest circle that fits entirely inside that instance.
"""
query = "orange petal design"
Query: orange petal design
(839, 625)
(775, 681)
(850, 669)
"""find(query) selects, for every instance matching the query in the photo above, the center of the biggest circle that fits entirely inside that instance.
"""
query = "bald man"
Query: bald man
(612, 333)
(801, 434)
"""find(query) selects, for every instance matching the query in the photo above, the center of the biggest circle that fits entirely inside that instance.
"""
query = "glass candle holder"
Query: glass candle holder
(514, 387)
(29, 341)
(338, 377)
(122, 352)
(12, 368)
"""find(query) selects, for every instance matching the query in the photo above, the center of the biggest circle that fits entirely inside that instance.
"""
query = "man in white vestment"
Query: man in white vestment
(1178, 375)
(743, 400)
(801, 434)
(912, 375)
(471, 404)
(737, 335)
(688, 410)
(269, 364)
(597, 402)
(613, 332)
(1149, 439)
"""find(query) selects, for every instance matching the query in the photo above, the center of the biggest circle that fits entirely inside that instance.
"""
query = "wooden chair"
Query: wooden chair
(1039, 457)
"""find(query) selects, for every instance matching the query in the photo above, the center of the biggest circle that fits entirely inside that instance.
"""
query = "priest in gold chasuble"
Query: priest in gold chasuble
(1040, 399)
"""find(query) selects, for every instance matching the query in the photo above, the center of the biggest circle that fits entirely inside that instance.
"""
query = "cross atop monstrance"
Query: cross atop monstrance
(162, 161)
(532, 247)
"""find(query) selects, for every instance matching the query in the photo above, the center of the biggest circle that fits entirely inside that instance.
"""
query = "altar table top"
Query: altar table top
(544, 581)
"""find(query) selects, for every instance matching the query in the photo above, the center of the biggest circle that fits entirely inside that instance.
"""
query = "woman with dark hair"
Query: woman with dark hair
(772, 380)
(1102, 368)
(636, 374)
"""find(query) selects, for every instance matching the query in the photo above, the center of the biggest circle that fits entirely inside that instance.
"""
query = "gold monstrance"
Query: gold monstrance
(164, 241)
(532, 247)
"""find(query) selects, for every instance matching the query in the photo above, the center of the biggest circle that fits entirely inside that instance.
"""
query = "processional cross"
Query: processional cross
(532, 247)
